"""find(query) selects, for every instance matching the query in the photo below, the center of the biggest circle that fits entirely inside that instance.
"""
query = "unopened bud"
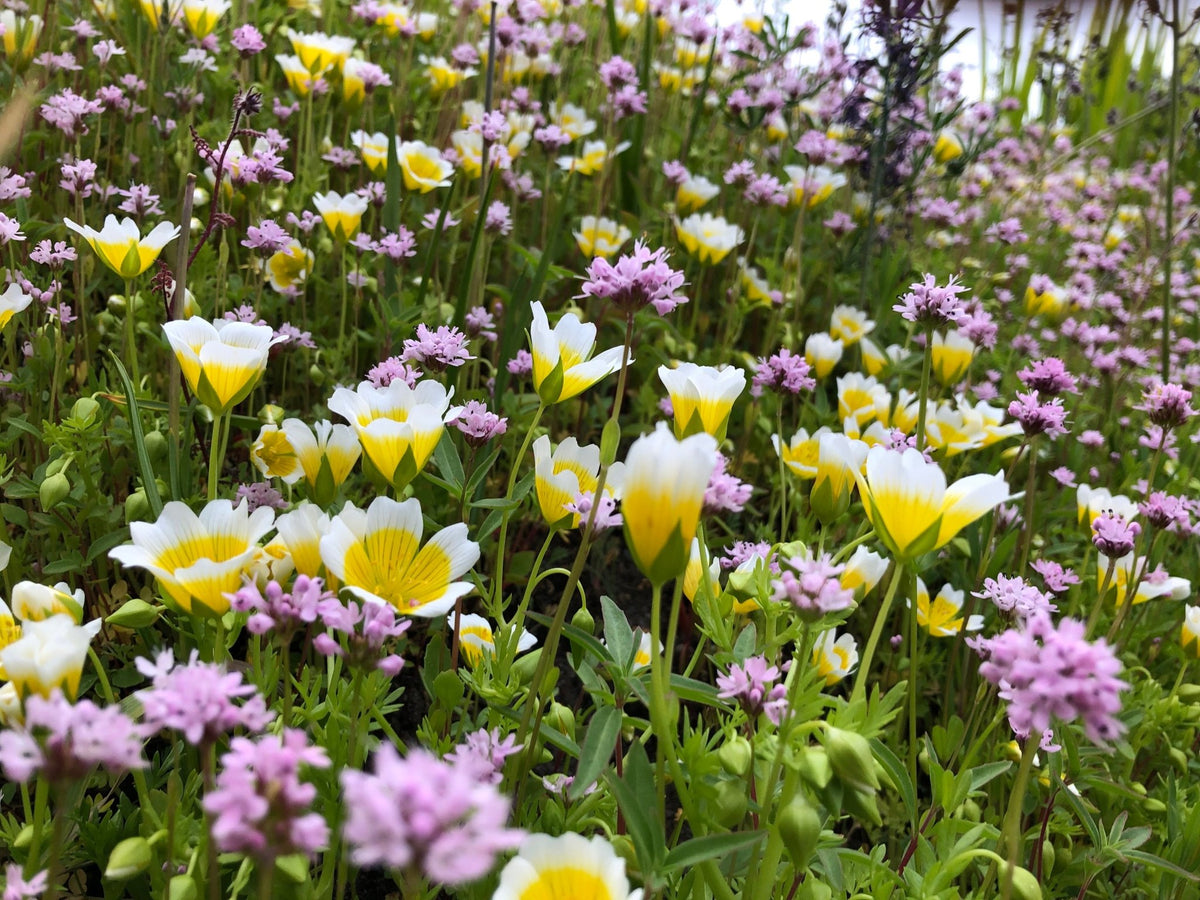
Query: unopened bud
(852, 760)
(130, 857)
(1024, 885)
(800, 828)
(53, 490)
(736, 755)
(134, 613)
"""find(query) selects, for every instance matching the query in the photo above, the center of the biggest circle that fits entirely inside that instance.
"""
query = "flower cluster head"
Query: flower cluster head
(1058, 579)
(1113, 535)
(782, 372)
(932, 305)
(1167, 405)
(812, 585)
(485, 751)
(366, 629)
(259, 805)
(1036, 417)
(279, 611)
(637, 279)
(62, 742)
(1016, 596)
(752, 685)
(436, 350)
(198, 699)
(1048, 377)
(725, 492)
(436, 815)
(1049, 672)
(1163, 510)
(479, 424)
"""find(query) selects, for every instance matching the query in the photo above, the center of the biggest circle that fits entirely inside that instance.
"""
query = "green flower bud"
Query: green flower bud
(800, 828)
(56, 465)
(852, 760)
(1179, 758)
(130, 857)
(730, 804)
(156, 446)
(583, 620)
(271, 414)
(182, 887)
(135, 613)
(85, 410)
(24, 838)
(137, 507)
(736, 756)
(1188, 692)
(316, 374)
(1048, 859)
(1154, 806)
(813, 766)
(623, 846)
(54, 489)
(862, 805)
(1024, 885)
(524, 667)
(562, 719)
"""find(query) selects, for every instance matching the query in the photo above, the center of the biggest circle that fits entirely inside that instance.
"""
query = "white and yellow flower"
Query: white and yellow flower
(864, 569)
(373, 148)
(398, 426)
(563, 365)
(567, 867)
(342, 214)
(442, 76)
(601, 237)
(289, 267)
(297, 75)
(800, 453)
(122, 248)
(859, 398)
(707, 237)
(202, 16)
(702, 396)
(162, 14)
(694, 193)
(32, 602)
(951, 356)
(20, 36)
(477, 639)
(943, 616)
(692, 575)
(221, 360)
(197, 559)
(1092, 502)
(562, 475)
(572, 120)
(1150, 585)
(849, 325)
(813, 184)
(594, 157)
(1190, 631)
(48, 656)
(835, 657)
(1048, 300)
(318, 52)
(423, 167)
(377, 555)
(839, 461)
(823, 353)
(299, 534)
(665, 481)
(913, 511)
(947, 147)
(13, 301)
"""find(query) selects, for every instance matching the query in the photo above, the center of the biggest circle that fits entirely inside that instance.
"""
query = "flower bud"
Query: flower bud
(1048, 858)
(156, 445)
(85, 410)
(562, 719)
(800, 828)
(1024, 885)
(135, 613)
(814, 889)
(182, 887)
(736, 756)
(730, 804)
(54, 489)
(813, 766)
(137, 507)
(583, 620)
(852, 760)
(862, 805)
(128, 858)
(525, 666)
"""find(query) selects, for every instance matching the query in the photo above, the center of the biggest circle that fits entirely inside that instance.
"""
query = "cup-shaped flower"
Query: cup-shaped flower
(665, 480)
(600, 237)
(864, 569)
(707, 237)
(222, 361)
(297, 75)
(1189, 634)
(197, 559)
(122, 248)
(822, 353)
(299, 532)
(13, 301)
(839, 461)
(423, 167)
(342, 215)
(951, 356)
(835, 657)
(561, 365)
(942, 616)
(161, 14)
(32, 602)
(702, 397)
(317, 51)
(20, 37)
(326, 453)
(477, 638)
(569, 865)
(562, 475)
(376, 555)
(813, 184)
(49, 656)
(913, 511)
(201, 16)
(398, 426)
(287, 269)
(800, 454)
(374, 149)
(694, 193)
(693, 575)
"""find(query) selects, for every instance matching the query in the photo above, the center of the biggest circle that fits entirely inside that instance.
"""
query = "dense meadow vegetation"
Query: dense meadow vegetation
(536, 450)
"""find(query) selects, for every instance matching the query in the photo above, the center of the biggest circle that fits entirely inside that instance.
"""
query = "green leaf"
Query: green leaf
(694, 691)
(898, 774)
(1095, 835)
(710, 846)
(445, 454)
(617, 633)
(597, 749)
(139, 439)
(634, 794)
(1157, 862)
(981, 775)
(745, 643)
(448, 689)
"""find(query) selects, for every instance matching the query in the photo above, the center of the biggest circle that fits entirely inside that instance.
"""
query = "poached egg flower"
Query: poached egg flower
(913, 510)
(221, 360)
(122, 248)
(374, 554)
(702, 397)
(561, 365)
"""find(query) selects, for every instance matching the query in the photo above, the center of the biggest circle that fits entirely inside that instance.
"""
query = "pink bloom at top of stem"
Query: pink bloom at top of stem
(1113, 536)
(930, 304)
(637, 279)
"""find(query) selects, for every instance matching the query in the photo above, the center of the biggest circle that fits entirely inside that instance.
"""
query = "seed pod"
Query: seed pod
(583, 620)
(1024, 885)
(800, 827)
(134, 613)
(730, 804)
(852, 760)
(736, 755)
(53, 490)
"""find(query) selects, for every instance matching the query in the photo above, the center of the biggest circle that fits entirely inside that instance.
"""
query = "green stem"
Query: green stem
(214, 458)
(913, 656)
(658, 702)
(1011, 835)
(41, 804)
(1172, 165)
(926, 366)
(502, 540)
(864, 665)
(57, 838)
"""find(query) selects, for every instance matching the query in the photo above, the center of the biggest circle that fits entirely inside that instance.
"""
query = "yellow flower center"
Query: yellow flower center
(567, 883)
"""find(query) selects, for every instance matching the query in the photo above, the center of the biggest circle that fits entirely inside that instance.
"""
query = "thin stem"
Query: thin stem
(864, 666)
(501, 541)
(658, 701)
(1011, 834)
(926, 366)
